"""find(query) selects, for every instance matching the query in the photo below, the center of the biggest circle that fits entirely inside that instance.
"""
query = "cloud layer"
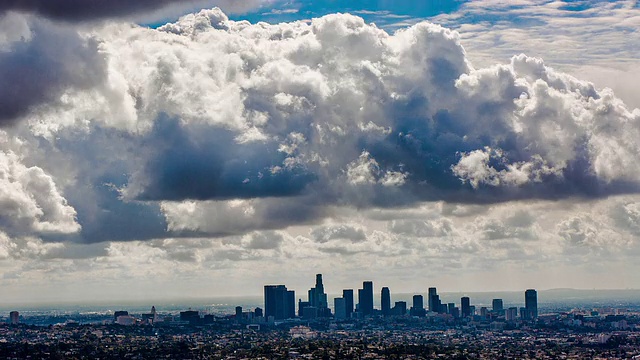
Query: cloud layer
(211, 146)
(299, 119)
(80, 10)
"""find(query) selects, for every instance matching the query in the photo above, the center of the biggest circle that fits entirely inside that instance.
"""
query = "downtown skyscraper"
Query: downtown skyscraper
(365, 298)
(318, 298)
(531, 303)
(385, 301)
(279, 302)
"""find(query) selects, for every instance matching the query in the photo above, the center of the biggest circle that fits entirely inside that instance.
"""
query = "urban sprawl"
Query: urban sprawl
(310, 329)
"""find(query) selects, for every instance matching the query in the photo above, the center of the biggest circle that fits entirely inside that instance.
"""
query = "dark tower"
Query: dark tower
(365, 298)
(318, 298)
(531, 303)
(290, 304)
(465, 304)
(276, 302)
(418, 306)
(497, 305)
(347, 294)
(431, 300)
(385, 297)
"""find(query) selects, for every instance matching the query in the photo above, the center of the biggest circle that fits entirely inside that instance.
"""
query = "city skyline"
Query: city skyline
(280, 304)
(167, 149)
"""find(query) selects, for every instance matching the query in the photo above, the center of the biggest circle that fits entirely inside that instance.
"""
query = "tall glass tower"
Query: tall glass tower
(385, 298)
(365, 298)
(531, 303)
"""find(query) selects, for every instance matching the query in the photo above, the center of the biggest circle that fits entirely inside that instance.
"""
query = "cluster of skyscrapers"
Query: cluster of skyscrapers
(280, 304)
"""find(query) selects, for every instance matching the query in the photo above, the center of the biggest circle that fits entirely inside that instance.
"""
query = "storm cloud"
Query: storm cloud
(343, 110)
(39, 61)
(219, 128)
(81, 10)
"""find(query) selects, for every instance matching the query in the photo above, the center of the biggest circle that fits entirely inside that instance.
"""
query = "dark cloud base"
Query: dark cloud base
(37, 71)
(82, 10)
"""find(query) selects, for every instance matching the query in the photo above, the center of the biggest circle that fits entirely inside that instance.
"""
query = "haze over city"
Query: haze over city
(192, 149)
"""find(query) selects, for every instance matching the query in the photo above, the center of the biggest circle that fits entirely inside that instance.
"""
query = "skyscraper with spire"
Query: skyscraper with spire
(318, 298)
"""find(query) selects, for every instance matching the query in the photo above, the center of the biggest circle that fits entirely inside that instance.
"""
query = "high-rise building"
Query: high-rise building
(430, 299)
(497, 305)
(238, 312)
(318, 298)
(14, 317)
(301, 306)
(465, 305)
(454, 311)
(339, 308)
(347, 294)
(190, 316)
(258, 312)
(511, 314)
(418, 302)
(399, 309)
(279, 302)
(531, 303)
(290, 305)
(484, 311)
(385, 301)
(435, 305)
(418, 306)
(310, 313)
(365, 298)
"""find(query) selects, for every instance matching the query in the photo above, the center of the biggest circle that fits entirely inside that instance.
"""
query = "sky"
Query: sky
(160, 148)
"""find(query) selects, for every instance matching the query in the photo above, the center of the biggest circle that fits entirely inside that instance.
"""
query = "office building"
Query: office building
(14, 317)
(258, 312)
(418, 306)
(455, 312)
(339, 308)
(290, 304)
(238, 312)
(347, 294)
(365, 298)
(531, 303)
(511, 314)
(279, 302)
(318, 298)
(125, 320)
(385, 301)
(190, 316)
(497, 305)
(310, 313)
(484, 312)
(399, 309)
(430, 299)
(302, 305)
(119, 313)
(435, 305)
(465, 306)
